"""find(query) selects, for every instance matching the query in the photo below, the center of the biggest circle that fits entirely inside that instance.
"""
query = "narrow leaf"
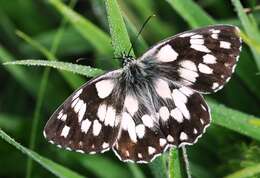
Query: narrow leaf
(56, 169)
(87, 29)
(73, 80)
(242, 123)
(250, 29)
(191, 12)
(75, 68)
(248, 172)
(174, 164)
(120, 39)
(22, 76)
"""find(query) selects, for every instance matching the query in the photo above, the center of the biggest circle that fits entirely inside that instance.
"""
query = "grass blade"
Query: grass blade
(22, 76)
(248, 172)
(120, 39)
(53, 167)
(195, 17)
(242, 123)
(136, 171)
(158, 166)
(174, 164)
(73, 80)
(87, 29)
(250, 29)
(75, 68)
(41, 93)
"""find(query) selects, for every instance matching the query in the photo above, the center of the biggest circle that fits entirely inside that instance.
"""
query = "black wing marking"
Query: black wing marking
(88, 120)
(140, 138)
(183, 114)
(202, 59)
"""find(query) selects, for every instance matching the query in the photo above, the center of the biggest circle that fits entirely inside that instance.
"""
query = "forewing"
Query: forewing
(88, 120)
(202, 59)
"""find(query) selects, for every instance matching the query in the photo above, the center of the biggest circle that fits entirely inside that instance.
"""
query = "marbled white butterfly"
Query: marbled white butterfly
(152, 103)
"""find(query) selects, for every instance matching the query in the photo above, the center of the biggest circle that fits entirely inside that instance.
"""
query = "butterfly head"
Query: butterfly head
(126, 59)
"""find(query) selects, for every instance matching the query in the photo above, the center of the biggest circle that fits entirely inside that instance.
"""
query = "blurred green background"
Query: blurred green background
(55, 30)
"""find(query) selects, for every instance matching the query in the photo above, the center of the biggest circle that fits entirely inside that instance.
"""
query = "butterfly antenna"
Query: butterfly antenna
(140, 31)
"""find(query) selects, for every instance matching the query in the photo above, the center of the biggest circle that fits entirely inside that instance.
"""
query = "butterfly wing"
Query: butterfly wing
(159, 116)
(183, 114)
(140, 138)
(202, 59)
(83, 121)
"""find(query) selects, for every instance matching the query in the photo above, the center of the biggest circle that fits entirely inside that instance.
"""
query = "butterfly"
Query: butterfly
(153, 103)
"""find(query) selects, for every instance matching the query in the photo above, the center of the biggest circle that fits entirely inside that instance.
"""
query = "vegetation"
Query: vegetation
(55, 33)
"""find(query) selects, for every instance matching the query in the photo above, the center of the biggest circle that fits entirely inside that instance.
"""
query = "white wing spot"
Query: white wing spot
(64, 117)
(68, 148)
(77, 94)
(167, 54)
(196, 41)
(164, 113)
(151, 150)
(104, 88)
(205, 69)
(127, 153)
(147, 121)
(162, 142)
(196, 36)
(214, 36)
(209, 59)
(179, 102)
(105, 145)
(170, 138)
(179, 96)
(96, 127)
(225, 44)
(140, 131)
(177, 115)
(233, 68)
(131, 104)
(183, 136)
(162, 88)
(79, 104)
(81, 112)
(228, 79)
(60, 114)
(214, 31)
(65, 131)
(195, 131)
(202, 121)
(80, 151)
(110, 116)
(189, 65)
(74, 102)
(186, 91)
(203, 107)
(140, 155)
(215, 85)
(85, 125)
(101, 112)
(182, 107)
(200, 47)
(128, 124)
(188, 74)
(186, 35)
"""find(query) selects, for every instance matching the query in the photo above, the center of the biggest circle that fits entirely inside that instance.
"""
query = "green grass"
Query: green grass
(58, 35)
